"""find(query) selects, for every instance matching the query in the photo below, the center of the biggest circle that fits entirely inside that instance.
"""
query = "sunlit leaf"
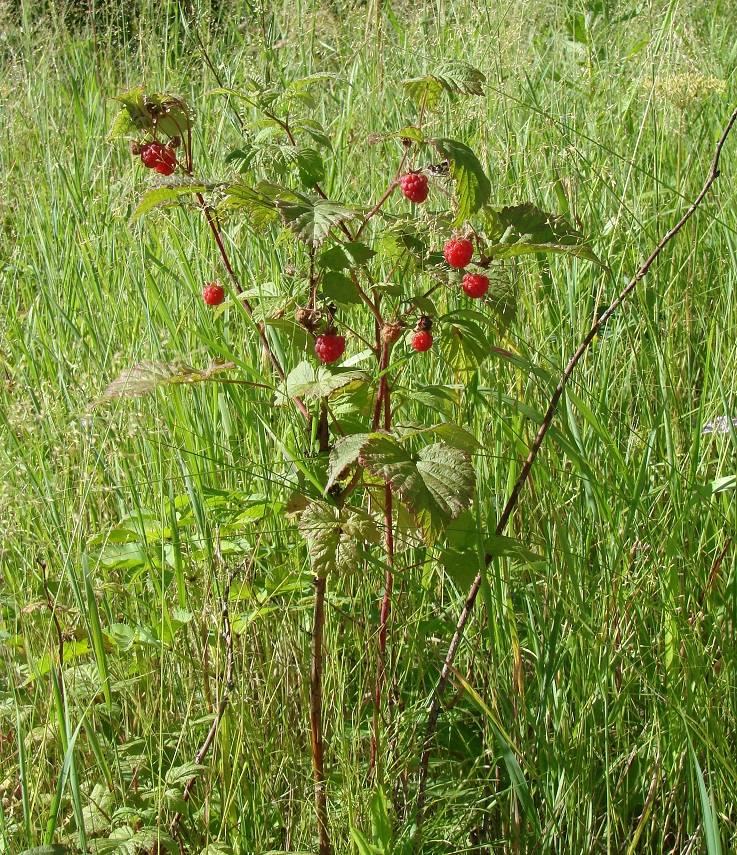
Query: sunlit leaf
(435, 485)
(311, 218)
(525, 229)
(334, 536)
(147, 376)
(472, 188)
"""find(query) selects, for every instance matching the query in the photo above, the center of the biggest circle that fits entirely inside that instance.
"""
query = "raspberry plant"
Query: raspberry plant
(374, 486)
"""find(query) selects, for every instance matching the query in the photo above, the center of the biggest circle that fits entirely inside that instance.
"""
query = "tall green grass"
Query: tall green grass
(609, 662)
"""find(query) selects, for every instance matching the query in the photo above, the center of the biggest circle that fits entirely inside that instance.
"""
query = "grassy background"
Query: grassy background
(610, 662)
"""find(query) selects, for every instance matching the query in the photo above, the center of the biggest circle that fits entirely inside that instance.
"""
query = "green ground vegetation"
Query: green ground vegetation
(603, 658)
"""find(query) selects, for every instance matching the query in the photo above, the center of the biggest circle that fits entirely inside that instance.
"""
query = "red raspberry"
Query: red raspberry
(213, 294)
(158, 157)
(422, 341)
(329, 346)
(414, 186)
(475, 285)
(458, 252)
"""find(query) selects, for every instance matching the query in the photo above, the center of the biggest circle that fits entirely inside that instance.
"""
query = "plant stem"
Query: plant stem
(524, 474)
(321, 804)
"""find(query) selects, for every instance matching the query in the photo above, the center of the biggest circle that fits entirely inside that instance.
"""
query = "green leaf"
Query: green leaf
(525, 229)
(453, 434)
(344, 454)
(311, 167)
(436, 485)
(334, 536)
(499, 545)
(711, 824)
(304, 381)
(313, 129)
(311, 217)
(457, 78)
(340, 288)
(170, 114)
(364, 846)
(147, 376)
(381, 826)
(125, 841)
(463, 343)
(182, 774)
(257, 202)
(346, 255)
(166, 195)
(133, 116)
(472, 186)
(51, 849)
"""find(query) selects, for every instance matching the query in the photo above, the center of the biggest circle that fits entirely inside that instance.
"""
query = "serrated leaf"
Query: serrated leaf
(424, 91)
(334, 536)
(463, 344)
(346, 255)
(125, 841)
(472, 186)
(166, 195)
(340, 288)
(344, 454)
(311, 167)
(170, 113)
(304, 381)
(133, 116)
(147, 376)
(259, 205)
(121, 125)
(458, 78)
(182, 774)
(310, 218)
(524, 229)
(450, 433)
(315, 130)
(436, 485)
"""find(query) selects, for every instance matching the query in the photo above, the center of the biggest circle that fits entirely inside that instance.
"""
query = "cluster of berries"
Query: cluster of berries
(160, 158)
(458, 252)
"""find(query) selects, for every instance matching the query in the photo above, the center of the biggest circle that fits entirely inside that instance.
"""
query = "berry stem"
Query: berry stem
(377, 207)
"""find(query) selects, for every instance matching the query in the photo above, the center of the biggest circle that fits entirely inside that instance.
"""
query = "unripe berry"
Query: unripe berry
(458, 252)
(330, 346)
(475, 284)
(213, 294)
(414, 186)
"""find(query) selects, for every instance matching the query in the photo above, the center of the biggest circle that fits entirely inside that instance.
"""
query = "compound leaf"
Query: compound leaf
(458, 78)
(524, 229)
(334, 536)
(304, 381)
(311, 217)
(435, 485)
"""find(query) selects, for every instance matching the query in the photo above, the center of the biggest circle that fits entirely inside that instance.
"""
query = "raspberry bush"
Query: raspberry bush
(375, 490)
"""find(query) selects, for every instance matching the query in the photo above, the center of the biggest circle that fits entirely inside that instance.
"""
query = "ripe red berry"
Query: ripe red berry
(458, 252)
(475, 285)
(422, 341)
(414, 186)
(213, 294)
(158, 157)
(329, 346)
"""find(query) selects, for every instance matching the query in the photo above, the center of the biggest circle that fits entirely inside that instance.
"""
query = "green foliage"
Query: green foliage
(145, 377)
(435, 485)
(524, 229)
(456, 78)
(334, 536)
(168, 195)
(472, 187)
(306, 381)
(311, 217)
